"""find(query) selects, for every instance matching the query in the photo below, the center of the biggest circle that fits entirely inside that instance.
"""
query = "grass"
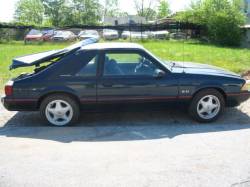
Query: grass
(234, 59)
(10, 50)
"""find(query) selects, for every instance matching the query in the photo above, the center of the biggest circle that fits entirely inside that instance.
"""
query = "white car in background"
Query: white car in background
(64, 36)
(109, 34)
(86, 34)
(160, 34)
(135, 35)
(126, 35)
(179, 36)
(139, 35)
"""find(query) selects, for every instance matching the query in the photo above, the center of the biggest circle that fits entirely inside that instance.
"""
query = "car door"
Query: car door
(122, 79)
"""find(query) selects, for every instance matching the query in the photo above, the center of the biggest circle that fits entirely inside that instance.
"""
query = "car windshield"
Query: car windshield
(62, 33)
(35, 32)
(48, 32)
(167, 64)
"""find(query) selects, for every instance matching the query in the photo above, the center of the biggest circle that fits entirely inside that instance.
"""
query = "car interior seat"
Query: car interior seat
(112, 67)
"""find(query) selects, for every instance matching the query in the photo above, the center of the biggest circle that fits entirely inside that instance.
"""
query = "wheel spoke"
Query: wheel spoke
(51, 110)
(65, 109)
(55, 117)
(65, 117)
(202, 110)
(58, 106)
(209, 112)
(210, 101)
(203, 103)
(213, 106)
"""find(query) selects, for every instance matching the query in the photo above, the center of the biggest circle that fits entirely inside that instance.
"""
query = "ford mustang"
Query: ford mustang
(90, 73)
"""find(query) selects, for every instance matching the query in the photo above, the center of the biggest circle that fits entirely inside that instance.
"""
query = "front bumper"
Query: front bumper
(19, 104)
(235, 99)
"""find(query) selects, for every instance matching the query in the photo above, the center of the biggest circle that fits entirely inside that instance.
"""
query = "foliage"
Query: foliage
(29, 12)
(110, 8)
(84, 12)
(64, 13)
(146, 10)
(163, 9)
(54, 11)
(222, 19)
(4, 36)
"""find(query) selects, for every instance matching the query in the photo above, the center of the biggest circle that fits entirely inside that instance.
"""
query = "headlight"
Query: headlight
(246, 86)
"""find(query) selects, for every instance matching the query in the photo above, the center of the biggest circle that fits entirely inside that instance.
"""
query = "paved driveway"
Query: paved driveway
(161, 148)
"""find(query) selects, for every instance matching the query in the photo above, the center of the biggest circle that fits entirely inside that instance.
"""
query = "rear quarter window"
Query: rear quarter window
(74, 63)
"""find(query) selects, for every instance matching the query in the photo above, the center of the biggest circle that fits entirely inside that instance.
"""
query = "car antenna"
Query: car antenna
(183, 57)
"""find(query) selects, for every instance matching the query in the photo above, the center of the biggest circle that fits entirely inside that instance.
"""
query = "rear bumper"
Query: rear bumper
(235, 99)
(19, 104)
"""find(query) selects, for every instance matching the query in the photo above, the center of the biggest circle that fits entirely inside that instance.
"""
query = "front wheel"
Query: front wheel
(207, 106)
(59, 110)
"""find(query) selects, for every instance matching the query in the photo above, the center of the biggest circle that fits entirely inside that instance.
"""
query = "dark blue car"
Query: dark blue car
(90, 73)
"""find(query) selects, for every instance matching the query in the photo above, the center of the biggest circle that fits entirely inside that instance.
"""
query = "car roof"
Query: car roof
(113, 45)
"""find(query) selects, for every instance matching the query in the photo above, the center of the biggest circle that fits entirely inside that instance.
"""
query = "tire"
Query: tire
(207, 106)
(59, 110)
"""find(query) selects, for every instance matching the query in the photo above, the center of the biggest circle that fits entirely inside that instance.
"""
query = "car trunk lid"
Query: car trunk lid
(38, 58)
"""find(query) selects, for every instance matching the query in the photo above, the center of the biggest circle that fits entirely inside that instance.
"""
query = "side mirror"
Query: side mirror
(159, 73)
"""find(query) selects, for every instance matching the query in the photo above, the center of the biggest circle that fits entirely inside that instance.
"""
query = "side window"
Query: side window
(127, 64)
(89, 68)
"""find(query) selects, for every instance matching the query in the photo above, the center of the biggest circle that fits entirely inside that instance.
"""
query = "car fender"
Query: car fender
(215, 86)
(58, 90)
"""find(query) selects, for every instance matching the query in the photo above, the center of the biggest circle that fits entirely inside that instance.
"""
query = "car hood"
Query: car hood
(38, 58)
(204, 69)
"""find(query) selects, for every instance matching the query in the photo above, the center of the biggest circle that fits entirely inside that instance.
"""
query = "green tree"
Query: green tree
(222, 19)
(145, 9)
(74, 12)
(163, 9)
(54, 10)
(110, 8)
(29, 12)
(86, 12)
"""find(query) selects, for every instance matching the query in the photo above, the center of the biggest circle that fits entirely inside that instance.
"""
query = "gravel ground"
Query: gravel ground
(162, 148)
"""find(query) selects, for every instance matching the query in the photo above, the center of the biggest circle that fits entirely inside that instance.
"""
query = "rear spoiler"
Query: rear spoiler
(38, 58)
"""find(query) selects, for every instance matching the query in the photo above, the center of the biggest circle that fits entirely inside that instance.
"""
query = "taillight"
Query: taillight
(8, 88)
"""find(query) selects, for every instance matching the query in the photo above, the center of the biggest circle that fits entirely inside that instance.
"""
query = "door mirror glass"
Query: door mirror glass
(159, 73)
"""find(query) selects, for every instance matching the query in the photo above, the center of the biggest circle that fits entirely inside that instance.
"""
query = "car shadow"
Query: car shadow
(121, 126)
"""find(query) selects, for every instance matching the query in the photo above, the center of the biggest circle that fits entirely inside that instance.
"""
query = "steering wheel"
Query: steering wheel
(143, 63)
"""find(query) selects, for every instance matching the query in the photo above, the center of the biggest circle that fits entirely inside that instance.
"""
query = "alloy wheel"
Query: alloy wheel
(59, 112)
(208, 107)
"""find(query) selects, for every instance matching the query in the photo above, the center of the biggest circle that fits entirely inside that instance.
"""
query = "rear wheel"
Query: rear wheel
(207, 105)
(60, 110)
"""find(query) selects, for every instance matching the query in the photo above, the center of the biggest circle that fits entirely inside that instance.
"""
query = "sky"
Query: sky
(7, 7)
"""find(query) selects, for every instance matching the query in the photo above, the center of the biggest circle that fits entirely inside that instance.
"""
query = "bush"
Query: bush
(9, 34)
(223, 30)
(222, 20)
